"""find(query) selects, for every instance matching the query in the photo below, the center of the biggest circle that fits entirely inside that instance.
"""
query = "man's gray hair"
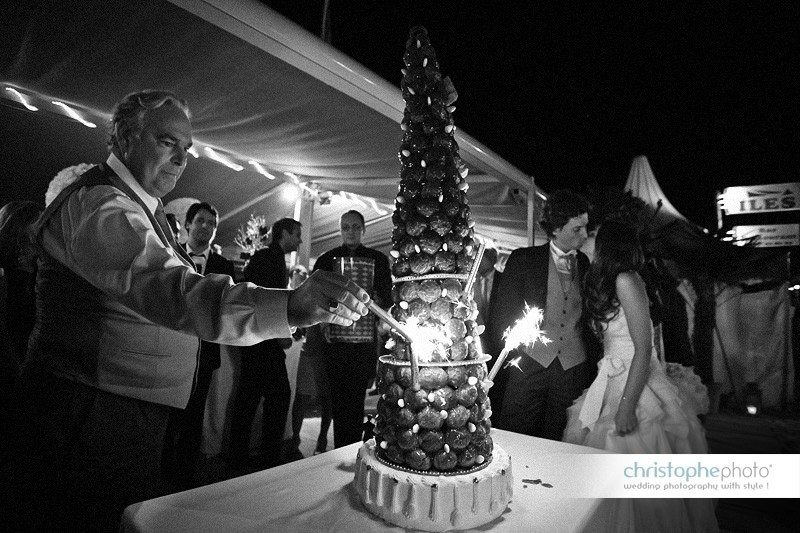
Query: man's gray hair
(128, 113)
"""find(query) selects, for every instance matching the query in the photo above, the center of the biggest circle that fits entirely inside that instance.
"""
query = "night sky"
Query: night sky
(570, 92)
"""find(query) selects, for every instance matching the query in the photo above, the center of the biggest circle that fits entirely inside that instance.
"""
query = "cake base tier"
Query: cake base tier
(433, 503)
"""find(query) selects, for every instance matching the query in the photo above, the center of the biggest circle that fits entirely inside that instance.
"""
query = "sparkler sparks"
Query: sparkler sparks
(525, 332)
(515, 363)
(430, 342)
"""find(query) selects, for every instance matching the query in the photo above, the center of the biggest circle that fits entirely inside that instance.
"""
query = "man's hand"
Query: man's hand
(326, 297)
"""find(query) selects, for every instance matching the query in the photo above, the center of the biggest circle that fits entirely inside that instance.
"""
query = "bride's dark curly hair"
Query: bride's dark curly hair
(616, 250)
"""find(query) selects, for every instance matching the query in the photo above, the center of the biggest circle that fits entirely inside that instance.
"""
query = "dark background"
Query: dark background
(570, 92)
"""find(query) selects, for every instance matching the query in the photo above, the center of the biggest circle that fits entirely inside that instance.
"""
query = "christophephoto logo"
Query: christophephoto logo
(698, 475)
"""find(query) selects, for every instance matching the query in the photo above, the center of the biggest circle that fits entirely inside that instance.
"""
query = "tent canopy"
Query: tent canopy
(261, 89)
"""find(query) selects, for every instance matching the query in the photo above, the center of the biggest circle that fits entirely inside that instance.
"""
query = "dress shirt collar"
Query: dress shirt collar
(564, 261)
(126, 176)
(558, 253)
(194, 252)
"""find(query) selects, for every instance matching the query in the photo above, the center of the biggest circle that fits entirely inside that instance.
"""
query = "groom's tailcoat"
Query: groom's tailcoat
(530, 277)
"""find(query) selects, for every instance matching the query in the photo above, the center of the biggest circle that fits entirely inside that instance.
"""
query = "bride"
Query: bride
(632, 406)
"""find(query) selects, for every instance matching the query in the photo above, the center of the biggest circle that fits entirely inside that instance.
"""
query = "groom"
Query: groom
(531, 396)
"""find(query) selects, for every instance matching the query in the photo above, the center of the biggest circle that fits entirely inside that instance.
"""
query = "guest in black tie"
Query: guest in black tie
(263, 373)
(532, 397)
(182, 446)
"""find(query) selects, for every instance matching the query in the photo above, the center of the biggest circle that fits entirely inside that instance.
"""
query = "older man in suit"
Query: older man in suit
(119, 312)
(532, 396)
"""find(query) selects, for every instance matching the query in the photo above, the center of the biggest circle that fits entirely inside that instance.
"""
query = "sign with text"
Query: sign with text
(754, 199)
(769, 235)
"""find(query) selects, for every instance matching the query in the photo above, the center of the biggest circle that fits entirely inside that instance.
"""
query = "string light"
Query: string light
(358, 201)
(261, 170)
(223, 160)
(22, 99)
(74, 114)
(291, 193)
(375, 207)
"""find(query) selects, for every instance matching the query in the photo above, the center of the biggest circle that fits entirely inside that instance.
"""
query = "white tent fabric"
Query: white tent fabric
(261, 89)
(642, 184)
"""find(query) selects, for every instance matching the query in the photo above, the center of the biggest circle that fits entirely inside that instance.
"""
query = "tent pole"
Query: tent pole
(531, 213)
(306, 218)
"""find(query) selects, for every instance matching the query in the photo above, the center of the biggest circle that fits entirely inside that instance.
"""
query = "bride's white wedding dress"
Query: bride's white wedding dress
(667, 424)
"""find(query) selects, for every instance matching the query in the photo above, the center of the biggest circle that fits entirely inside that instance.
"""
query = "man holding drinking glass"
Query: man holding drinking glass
(351, 352)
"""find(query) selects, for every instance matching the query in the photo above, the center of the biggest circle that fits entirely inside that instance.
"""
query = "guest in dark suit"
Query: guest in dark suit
(263, 373)
(351, 365)
(532, 396)
(185, 432)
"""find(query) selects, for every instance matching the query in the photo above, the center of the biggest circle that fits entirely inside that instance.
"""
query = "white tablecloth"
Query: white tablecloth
(316, 494)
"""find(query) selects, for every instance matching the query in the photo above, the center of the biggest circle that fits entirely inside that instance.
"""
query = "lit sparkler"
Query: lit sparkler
(525, 332)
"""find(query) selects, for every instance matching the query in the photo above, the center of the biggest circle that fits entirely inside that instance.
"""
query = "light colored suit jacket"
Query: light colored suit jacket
(121, 310)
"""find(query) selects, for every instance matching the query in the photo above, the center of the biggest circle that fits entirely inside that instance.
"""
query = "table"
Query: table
(316, 494)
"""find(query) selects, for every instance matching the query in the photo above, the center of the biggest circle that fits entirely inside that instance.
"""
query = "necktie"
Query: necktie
(572, 261)
(161, 218)
(566, 264)
(199, 261)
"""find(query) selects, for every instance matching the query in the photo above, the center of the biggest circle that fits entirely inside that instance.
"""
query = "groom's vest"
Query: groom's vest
(83, 335)
(561, 314)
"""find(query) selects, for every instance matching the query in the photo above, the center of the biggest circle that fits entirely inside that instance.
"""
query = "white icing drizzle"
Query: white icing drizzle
(408, 508)
(491, 495)
(361, 482)
(367, 495)
(393, 503)
(376, 486)
(474, 495)
(432, 510)
(455, 516)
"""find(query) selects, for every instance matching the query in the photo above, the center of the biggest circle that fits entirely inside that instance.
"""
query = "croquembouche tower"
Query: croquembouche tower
(433, 464)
